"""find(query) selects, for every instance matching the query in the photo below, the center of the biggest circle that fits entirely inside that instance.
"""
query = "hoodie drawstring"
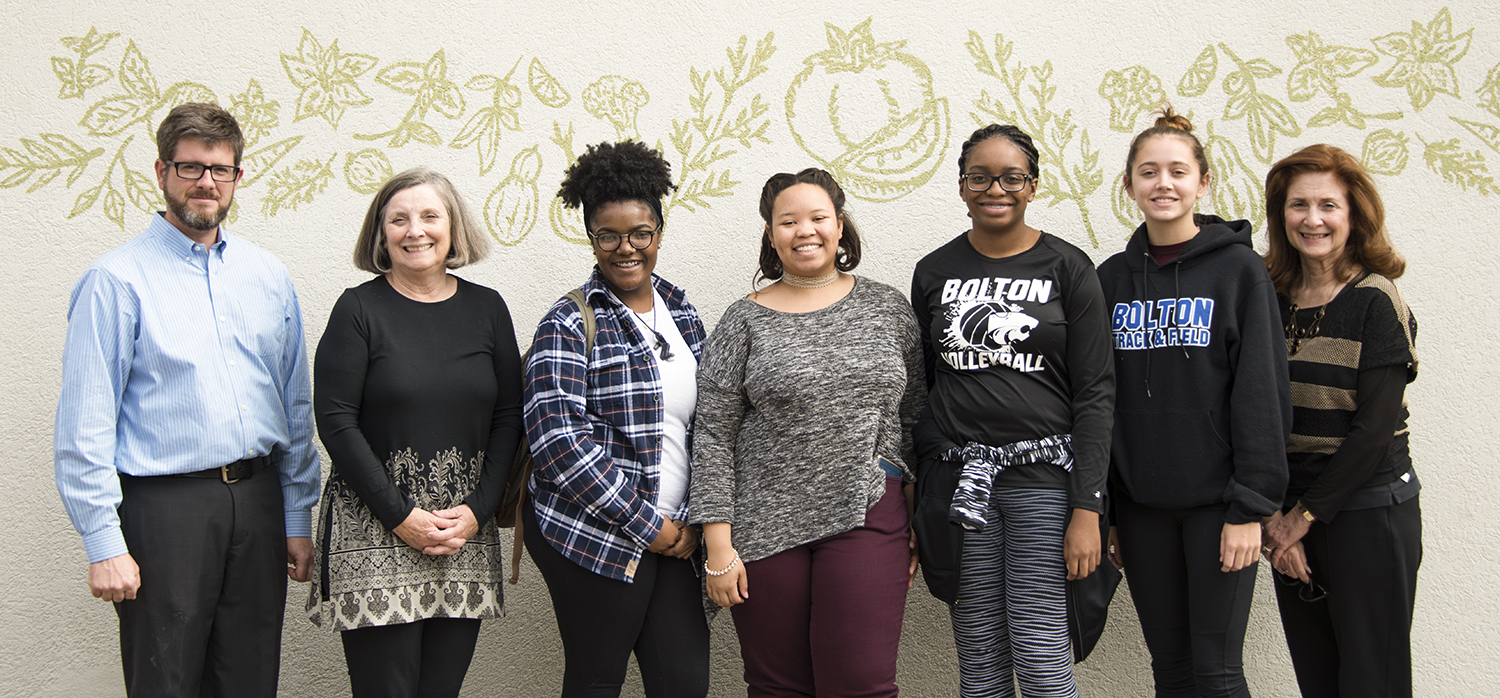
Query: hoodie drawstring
(1177, 291)
(1146, 261)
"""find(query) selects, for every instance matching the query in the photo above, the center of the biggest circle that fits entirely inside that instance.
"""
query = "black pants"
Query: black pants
(207, 618)
(601, 620)
(422, 659)
(1357, 640)
(1192, 615)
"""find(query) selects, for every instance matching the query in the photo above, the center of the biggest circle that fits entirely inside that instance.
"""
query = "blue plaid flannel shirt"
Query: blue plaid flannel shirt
(595, 429)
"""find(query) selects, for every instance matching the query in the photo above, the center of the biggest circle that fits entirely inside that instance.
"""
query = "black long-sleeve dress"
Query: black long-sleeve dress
(419, 405)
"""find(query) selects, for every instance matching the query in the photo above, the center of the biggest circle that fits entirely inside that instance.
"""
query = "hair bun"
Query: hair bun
(1171, 119)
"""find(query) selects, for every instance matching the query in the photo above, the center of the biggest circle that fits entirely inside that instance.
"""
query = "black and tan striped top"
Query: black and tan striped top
(1348, 447)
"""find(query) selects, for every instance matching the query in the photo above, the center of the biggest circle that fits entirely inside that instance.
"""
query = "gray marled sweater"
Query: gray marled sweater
(793, 409)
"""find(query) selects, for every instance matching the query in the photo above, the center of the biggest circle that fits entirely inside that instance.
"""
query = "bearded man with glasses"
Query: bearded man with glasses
(183, 444)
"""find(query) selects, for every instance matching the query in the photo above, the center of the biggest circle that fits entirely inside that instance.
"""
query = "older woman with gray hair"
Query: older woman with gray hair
(418, 400)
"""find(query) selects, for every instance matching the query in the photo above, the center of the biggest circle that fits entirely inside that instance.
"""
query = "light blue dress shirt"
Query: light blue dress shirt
(181, 358)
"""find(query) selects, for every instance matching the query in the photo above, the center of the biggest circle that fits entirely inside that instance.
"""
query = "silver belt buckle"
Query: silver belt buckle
(224, 475)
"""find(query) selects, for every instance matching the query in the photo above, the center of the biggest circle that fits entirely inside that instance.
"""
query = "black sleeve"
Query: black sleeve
(1260, 407)
(1377, 409)
(339, 376)
(1091, 372)
(927, 439)
(505, 422)
(924, 325)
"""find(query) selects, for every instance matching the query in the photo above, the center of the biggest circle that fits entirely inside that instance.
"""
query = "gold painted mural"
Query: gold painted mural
(865, 106)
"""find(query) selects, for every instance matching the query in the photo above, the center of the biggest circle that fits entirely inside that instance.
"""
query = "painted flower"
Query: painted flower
(1425, 57)
(326, 77)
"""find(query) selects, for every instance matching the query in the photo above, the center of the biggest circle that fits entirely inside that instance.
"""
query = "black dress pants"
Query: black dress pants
(659, 617)
(1356, 640)
(207, 619)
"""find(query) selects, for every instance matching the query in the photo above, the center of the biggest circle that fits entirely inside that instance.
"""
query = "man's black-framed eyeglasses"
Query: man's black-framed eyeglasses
(609, 242)
(193, 171)
(1010, 181)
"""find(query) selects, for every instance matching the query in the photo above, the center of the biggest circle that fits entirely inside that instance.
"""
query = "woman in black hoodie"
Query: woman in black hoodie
(1202, 414)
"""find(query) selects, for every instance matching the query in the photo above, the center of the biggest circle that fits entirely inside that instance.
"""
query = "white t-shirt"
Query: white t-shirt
(679, 384)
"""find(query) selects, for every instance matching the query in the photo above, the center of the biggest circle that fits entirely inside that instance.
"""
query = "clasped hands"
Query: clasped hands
(1283, 545)
(441, 532)
(676, 539)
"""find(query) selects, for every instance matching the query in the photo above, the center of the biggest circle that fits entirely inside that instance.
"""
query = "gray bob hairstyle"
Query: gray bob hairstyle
(467, 242)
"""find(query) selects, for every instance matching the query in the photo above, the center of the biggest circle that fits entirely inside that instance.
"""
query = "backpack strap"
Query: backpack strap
(523, 460)
(590, 321)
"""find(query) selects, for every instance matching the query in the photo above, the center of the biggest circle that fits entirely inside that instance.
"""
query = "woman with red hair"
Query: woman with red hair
(1348, 540)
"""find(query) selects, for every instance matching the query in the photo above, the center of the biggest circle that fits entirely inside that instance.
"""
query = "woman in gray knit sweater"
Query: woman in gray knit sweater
(806, 395)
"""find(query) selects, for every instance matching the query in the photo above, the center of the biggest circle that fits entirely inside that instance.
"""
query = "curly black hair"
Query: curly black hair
(1016, 136)
(610, 172)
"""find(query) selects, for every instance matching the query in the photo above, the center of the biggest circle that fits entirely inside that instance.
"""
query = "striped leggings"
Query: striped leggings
(1011, 614)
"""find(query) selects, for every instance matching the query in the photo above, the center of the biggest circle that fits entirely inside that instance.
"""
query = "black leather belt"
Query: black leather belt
(233, 472)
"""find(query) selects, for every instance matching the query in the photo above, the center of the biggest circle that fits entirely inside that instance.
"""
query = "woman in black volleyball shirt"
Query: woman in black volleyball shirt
(1015, 446)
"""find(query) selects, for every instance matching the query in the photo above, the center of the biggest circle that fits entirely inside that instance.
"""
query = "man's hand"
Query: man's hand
(299, 554)
(116, 579)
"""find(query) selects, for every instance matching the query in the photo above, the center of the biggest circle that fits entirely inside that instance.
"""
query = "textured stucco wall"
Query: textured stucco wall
(337, 93)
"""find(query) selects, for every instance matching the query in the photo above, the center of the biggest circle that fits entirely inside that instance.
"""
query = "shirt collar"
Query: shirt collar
(669, 293)
(178, 243)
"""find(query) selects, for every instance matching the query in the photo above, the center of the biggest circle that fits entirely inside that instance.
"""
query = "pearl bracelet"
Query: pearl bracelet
(724, 571)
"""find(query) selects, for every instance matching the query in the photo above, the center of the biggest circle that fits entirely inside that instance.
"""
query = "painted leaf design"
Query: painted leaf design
(114, 207)
(419, 131)
(405, 78)
(547, 89)
(259, 162)
(90, 43)
(63, 69)
(296, 185)
(1200, 75)
(256, 114)
(447, 100)
(45, 158)
(92, 75)
(1488, 133)
(184, 92)
(1465, 169)
(1267, 117)
(1385, 152)
(85, 201)
(108, 117)
(1489, 92)
(142, 191)
(135, 74)
(1347, 62)
(483, 132)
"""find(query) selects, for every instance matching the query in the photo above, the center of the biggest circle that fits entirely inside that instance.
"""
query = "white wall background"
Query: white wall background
(1424, 72)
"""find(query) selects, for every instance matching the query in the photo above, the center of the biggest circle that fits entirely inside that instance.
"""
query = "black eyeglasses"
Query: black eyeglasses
(609, 242)
(193, 171)
(1010, 181)
(1307, 591)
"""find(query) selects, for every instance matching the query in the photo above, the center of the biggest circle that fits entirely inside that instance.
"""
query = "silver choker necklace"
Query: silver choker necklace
(795, 281)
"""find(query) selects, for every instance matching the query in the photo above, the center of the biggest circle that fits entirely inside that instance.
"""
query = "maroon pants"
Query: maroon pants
(824, 618)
